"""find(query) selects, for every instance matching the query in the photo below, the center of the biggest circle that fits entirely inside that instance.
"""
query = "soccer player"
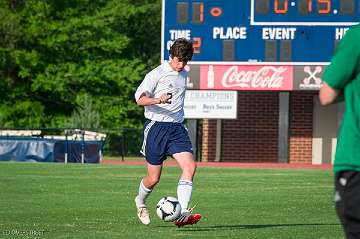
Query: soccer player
(162, 93)
(342, 82)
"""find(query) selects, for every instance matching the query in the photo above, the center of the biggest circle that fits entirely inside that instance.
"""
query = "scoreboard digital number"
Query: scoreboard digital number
(304, 12)
(259, 31)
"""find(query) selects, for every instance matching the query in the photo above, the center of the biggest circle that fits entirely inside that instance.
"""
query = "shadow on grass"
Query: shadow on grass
(244, 227)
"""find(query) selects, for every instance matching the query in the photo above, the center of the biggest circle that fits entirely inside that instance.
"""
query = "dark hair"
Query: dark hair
(182, 49)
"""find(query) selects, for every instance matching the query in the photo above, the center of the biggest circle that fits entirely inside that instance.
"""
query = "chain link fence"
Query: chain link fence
(123, 143)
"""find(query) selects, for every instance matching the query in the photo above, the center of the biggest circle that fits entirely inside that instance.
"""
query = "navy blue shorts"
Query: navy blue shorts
(164, 138)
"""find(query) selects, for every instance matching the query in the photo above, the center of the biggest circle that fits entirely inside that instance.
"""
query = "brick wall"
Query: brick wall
(253, 136)
(301, 127)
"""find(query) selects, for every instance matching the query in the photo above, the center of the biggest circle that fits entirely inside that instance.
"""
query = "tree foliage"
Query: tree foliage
(62, 58)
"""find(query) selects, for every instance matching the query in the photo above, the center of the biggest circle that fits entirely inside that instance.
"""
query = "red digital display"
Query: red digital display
(281, 7)
(197, 45)
(305, 6)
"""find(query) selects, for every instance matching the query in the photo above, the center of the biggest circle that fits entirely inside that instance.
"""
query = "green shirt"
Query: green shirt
(344, 74)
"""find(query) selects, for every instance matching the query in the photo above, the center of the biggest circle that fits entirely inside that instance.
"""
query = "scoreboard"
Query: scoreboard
(287, 32)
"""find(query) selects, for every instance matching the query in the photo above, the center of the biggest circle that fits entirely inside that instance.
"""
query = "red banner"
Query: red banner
(243, 77)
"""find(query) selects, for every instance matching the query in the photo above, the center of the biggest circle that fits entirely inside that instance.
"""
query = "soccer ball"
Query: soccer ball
(168, 209)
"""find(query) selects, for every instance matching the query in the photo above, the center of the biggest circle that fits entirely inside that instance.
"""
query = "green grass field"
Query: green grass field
(42, 200)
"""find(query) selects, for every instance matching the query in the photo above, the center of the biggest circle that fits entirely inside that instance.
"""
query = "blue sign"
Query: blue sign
(291, 32)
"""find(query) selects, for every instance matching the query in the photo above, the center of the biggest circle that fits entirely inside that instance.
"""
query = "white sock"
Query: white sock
(184, 190)
(144, 193)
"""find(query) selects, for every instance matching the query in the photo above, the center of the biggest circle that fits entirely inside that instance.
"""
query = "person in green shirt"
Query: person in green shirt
(342, 83)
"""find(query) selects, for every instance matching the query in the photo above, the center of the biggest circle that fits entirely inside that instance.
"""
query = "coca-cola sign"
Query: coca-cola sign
(252, 77)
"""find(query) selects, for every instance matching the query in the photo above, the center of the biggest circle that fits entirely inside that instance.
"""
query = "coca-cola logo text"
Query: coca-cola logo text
(264, 77)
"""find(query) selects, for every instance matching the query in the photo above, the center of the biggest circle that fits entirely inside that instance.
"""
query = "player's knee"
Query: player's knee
(194, 167)
(154, 179)
(191, 168)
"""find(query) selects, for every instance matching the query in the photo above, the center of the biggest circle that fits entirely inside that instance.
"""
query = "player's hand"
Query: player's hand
(164, 99)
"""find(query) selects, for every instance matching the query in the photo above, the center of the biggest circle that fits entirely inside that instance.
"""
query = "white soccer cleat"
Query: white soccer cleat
(142, 212)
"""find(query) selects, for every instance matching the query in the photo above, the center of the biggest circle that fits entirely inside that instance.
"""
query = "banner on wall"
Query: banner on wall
(255, 77)
(210, 104)
(246, 77)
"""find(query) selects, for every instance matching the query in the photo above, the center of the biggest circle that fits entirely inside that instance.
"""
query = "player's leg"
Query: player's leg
(154, 150)
(347, 200)
(188, 167)
(354, 207)
(339, 198)
(181, 149)
(148, 182)
(145, 189)
(184, 189)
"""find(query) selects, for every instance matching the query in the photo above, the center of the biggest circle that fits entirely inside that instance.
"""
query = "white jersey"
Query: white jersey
(162, 80)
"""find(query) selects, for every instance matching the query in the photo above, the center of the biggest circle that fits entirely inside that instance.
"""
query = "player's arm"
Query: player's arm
(328, 95)
(144, 94)
(146, 100)
(342, 69)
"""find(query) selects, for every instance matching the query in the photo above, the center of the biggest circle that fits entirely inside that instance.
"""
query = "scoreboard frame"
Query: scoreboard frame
(251, 23)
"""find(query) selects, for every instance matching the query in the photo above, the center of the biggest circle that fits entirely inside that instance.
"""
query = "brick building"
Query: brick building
(255, 135)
